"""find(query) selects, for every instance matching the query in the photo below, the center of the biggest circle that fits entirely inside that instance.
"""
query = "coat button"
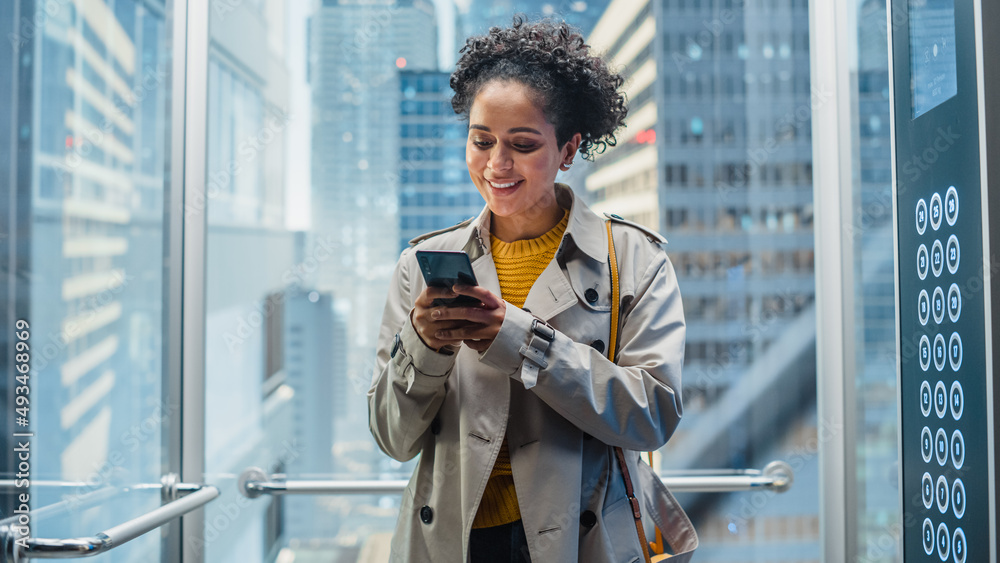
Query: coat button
(436, 426)
(597, 345)
(591, 295)
(588, 519)
(426, 514)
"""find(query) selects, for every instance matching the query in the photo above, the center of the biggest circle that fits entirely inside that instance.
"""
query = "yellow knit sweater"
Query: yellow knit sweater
(518, 264)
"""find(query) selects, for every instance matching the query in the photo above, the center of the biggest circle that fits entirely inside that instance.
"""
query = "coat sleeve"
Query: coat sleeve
(636, 403)
(408, 385)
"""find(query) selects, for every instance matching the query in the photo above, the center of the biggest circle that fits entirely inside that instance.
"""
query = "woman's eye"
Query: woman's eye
(524, 147)
(481, 143)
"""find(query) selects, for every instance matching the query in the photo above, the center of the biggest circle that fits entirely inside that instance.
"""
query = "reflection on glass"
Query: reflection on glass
(877, 499)
(718, 157)
(87, 240)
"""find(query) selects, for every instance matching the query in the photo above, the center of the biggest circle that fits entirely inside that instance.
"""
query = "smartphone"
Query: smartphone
(445, 268)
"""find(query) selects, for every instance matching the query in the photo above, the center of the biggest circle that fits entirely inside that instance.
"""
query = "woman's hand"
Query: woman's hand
(476, 326)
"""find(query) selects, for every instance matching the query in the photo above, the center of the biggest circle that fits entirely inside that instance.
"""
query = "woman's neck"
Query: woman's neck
(510, 229)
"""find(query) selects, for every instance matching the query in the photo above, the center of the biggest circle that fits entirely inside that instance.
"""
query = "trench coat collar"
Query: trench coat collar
(584, 228)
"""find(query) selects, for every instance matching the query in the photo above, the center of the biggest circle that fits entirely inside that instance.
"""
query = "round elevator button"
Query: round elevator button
(937, 305)
(937, 258)
(942, 494)
(958, 546)
(955, 351)
(941, 447)
(940, 352)
(925, 353)
(426, 515)
(923, 307)
(923, 261)
(925, 398)
(957, 400)
(953, 254)
(957, 449)
(921, 216)
(958, 498)
(951, 206)
(954, 303)
(926, 444)
(927, 534)
(943, 541)
(927, 490)
(940, 400)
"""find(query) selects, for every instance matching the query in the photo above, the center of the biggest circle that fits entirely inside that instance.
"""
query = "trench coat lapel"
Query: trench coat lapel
(553, 291)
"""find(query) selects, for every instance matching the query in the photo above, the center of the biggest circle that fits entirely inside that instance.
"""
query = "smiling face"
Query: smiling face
(513, 157)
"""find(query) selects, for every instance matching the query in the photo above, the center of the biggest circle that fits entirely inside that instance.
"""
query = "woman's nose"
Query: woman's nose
(499, 160)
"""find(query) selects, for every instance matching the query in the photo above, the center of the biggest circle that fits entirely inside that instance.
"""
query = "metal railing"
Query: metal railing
(776, 476)
(18, 547)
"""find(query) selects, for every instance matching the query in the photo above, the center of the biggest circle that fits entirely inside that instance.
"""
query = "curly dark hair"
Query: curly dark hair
(579, 94)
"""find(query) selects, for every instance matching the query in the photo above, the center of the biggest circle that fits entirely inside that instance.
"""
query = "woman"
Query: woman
(513, 405)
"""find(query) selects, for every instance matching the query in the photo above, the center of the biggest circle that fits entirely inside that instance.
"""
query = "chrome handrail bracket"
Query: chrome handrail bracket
(250, 480)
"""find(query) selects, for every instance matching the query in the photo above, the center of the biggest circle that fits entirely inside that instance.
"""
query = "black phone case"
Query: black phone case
(463, 277)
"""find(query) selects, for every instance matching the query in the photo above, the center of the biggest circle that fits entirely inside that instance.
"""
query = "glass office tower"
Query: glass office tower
(434, 188)
(83, 214)
(717, 156)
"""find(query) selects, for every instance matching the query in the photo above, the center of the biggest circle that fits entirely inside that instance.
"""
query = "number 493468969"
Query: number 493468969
(22, 367)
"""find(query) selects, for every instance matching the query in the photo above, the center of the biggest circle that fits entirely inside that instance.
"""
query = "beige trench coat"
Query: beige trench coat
(561, 405)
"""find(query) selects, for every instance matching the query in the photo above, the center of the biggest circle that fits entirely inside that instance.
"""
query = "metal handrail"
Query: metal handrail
(776, 476)
(170, 487)
(45, 548)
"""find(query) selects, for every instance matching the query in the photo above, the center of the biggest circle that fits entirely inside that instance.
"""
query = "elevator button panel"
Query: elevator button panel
(940, 374)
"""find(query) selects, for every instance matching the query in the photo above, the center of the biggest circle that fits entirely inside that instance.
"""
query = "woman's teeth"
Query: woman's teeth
(510, 185)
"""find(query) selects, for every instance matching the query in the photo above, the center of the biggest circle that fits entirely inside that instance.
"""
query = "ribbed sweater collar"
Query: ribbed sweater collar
(547, 242)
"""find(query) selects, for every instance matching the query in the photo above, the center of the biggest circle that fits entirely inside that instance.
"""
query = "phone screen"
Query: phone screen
(446, 268)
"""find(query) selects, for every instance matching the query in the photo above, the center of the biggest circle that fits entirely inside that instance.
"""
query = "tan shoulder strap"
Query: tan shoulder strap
(612, 346)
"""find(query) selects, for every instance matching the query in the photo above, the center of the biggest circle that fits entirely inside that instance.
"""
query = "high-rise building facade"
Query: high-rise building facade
(717, 156)
(81, 236)
(357, 50)
(475, 17)
(626, 177)
(435, 190)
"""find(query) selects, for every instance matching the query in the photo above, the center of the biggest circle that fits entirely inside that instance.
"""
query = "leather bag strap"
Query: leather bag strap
(613, 345)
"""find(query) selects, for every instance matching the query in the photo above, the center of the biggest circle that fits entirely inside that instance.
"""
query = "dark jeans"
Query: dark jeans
(499, 544)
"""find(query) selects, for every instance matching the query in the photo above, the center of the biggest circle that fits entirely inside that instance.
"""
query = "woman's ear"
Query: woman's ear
(569, 151)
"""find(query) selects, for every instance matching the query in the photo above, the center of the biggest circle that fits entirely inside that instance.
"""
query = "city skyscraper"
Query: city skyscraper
(717, 156)
(475, 17)
(358, 48)
(82, 249)
(435, 191)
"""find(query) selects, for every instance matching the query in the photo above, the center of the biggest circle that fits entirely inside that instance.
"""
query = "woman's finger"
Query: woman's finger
(468, 332)
(470, 314)
(429, 294)
(488, 298)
